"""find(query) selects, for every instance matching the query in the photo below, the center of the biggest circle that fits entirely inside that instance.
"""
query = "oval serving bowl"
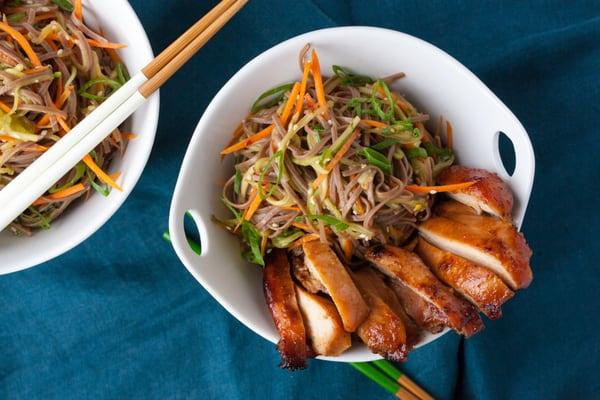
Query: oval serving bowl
(120, 24)
(435, 82)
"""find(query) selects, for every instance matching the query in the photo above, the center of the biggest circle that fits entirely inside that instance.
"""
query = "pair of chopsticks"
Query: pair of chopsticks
(382, 372)
(33, 182)
(390, 378)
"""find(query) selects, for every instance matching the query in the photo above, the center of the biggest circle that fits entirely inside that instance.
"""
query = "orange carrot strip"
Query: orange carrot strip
(449, 132)
(253, 206)
(303, 87)
(359, 207)
(43, 16)
(99, 173)
(23, 42)
(373, 123)
(5, 107)
(267, 131)
(60, 195)
(63, 124)
(287, 109)
(130, 135)
(331, 164)
(438, 189)
(302, 226)
(105, 45)
(249, 141)
(78, 10)
(309, 100)
(7, 138)
(315, 68)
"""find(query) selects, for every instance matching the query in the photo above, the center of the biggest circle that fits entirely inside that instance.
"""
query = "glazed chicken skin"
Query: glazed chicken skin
(323, 324)
(383, 331)
(487, 241)
(477, 284)
(280, 294)
(375, 281)
(408, 269)
(324, 265)
(425, 314)
(490, 194)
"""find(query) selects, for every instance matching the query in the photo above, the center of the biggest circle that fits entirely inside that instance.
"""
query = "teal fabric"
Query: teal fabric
(119, 316)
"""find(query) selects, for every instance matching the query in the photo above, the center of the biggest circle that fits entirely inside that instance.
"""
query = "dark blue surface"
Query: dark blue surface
(119, 317)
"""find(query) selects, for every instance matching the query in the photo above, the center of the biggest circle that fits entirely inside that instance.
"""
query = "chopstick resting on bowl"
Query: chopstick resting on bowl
(382, 372)
(33, 182)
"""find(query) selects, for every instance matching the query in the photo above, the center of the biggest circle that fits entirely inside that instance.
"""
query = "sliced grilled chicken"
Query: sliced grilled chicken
(383, 331)
(303, 275)
(489, 194)
(425, 314)
(490, 242)
(477, 284)
(454, 207)
(324, 265)
(280, 294)
(375, 282)
(407, 268)
(323, 324)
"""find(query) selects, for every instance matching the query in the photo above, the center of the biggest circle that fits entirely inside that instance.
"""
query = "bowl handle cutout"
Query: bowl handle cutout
(521, 178)
(184, 243)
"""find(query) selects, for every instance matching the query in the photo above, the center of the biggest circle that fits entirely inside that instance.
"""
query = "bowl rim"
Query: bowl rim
(113, 204)
(180, 247)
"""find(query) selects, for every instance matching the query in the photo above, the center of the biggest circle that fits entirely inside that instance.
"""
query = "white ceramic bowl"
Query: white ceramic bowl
(435, 82)
(120, 24)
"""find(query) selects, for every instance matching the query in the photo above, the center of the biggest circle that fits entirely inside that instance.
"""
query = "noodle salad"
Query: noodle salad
(343, 159)
(54, 71)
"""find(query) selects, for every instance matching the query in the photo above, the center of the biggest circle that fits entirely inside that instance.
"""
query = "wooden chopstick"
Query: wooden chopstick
(181, 57)
(402, 379)
(384, 381)
(85, 136)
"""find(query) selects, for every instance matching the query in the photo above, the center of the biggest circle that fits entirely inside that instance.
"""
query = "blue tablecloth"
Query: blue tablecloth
(120, 317)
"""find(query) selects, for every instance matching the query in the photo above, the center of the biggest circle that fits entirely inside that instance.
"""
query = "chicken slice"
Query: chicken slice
(477, 284)
(383, 331)
(303, 275)
(454, 207)
(425, 314)
(487, 241)
(489, 194)
(407, 268)
(324, 265)
(323, 324)
(373, 281)
(280, 295)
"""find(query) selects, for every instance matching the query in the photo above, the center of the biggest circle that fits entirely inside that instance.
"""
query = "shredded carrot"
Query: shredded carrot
(289, 208)
(129, 135)
(309, 101)
(306, 238)
(60, 195)
(253, 206)
(303, 87)
(359, 207)
(373, 123)
(302, 226)
(449, 133)
(114, 55)
(249, 141)
(8, 139)
(285, 115)
(78, 10)
(63, 124)
(287, 109)
(347, 247)
(106, 45)
(100, 174)
(338, 156)
(315, 68)
(438, 189)
(60, 100)
(5, 107)
(23, 42)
